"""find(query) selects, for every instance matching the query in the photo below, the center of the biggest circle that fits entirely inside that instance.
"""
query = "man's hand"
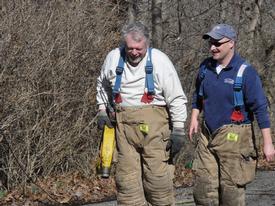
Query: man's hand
(193, 128)
(269, 151)
(176, 142)
(103, 119)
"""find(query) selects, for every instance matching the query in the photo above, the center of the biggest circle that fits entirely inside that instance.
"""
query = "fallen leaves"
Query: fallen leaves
(76, 189)
(70, 188)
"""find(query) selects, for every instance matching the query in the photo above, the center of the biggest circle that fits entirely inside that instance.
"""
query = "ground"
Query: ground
(75, 189)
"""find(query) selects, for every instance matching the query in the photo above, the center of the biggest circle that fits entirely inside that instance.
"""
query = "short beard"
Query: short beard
(134, 61)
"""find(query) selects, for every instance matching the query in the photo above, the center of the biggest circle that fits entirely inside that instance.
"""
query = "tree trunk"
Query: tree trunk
(156, 23)
(132, 10)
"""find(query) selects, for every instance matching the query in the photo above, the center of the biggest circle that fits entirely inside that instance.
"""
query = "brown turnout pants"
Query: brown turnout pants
(225, 162)
(143, 176)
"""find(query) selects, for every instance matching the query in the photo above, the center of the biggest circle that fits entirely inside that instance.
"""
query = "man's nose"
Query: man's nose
(213, 48)
(134, 52)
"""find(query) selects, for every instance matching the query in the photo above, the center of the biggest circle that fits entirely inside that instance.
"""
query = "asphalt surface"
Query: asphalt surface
(261, 192)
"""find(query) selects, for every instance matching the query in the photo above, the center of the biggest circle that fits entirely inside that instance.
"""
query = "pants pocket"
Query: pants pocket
(248, 168)
(164, 141)
(244, 170)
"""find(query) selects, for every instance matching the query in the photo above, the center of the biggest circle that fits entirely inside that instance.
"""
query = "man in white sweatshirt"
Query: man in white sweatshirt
(150, 112)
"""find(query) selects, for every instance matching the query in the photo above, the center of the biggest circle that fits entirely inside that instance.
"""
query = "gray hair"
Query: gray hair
(138, 31)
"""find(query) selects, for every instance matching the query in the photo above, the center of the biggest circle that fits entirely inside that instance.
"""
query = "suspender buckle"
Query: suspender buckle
(149, 69)
(119, 70)
(238, 86)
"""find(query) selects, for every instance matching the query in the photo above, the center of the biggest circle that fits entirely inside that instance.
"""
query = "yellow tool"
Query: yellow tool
(106, 152)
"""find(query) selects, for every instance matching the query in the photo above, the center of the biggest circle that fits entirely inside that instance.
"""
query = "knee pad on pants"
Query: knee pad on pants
(159, 188)
(232, 195)
(130, 190)
(205, 191)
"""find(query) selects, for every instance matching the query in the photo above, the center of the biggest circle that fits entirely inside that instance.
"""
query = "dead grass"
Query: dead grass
(51, 52)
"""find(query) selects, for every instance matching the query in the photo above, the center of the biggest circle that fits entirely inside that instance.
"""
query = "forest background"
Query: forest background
(51, 52)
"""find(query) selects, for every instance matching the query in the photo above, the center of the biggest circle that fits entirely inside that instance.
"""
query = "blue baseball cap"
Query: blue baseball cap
(221, 31)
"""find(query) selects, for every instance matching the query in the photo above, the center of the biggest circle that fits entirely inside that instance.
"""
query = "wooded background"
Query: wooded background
(51, 52)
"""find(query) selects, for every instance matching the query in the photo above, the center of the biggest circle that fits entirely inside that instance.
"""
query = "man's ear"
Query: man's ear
(232, 44)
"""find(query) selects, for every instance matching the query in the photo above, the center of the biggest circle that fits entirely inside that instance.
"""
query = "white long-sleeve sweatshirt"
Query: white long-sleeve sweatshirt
(168, 89)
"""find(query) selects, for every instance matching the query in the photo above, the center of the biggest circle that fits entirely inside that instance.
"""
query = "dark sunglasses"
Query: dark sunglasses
(217, 44)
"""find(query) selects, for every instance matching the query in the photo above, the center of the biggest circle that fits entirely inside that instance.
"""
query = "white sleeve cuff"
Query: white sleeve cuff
(178, 124)
(101, 107)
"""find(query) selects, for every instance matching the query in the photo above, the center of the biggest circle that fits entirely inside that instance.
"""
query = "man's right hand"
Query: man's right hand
(194, 124)
(103, 119)
(193, 129)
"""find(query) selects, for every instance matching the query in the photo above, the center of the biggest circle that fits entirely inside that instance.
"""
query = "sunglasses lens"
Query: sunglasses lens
(216, 43)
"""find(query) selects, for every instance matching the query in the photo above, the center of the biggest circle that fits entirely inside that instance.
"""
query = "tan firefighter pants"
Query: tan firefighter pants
(224, 164)
(143, 176)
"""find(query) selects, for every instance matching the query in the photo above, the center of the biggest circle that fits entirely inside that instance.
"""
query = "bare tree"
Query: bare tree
(256, 17)
(157, 23)
(132, 10)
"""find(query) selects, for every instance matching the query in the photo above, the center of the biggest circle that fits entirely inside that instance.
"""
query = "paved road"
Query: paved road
(260, 192)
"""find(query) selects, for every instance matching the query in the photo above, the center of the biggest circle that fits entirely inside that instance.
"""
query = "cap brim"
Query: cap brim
(212, 35)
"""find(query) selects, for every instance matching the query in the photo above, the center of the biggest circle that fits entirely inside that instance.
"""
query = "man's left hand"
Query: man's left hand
(176, 142)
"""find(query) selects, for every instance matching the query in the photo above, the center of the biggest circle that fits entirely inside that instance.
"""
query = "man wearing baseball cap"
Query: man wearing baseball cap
(229, 92)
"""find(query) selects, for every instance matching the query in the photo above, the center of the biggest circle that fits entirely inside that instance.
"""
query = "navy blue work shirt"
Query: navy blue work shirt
(217, 103)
